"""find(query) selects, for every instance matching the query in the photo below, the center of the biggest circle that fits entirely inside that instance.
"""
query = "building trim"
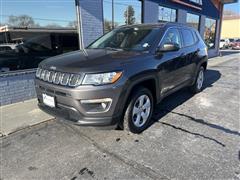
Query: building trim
(187, 4)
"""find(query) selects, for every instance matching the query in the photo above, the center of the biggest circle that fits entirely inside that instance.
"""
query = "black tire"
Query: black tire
(128, 120)
(196, 88)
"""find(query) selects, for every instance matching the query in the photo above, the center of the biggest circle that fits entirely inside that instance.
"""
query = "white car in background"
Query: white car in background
(7, 47)
(224, 43)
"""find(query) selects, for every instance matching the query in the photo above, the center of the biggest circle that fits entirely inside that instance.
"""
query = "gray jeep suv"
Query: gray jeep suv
(117, 80)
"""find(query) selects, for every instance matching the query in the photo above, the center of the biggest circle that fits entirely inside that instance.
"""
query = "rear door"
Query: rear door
(190, 52)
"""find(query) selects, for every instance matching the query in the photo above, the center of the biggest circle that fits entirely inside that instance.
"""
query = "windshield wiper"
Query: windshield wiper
(113, 49)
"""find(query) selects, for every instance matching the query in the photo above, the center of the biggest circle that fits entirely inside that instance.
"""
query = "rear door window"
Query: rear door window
(188, 38)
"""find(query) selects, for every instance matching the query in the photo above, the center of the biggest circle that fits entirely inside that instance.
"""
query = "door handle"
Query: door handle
(197, 51)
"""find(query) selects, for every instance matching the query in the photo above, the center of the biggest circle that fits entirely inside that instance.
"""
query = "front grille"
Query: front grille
(59, 78)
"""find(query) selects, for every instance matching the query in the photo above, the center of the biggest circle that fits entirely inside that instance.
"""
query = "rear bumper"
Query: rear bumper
(236, 48)
(68, 104)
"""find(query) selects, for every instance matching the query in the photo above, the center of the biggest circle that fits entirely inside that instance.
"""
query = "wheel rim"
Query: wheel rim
(141, 110)
(200, 79)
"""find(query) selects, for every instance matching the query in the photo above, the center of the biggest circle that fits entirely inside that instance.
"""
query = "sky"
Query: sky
(234, 7)
(43, 11)
(63, 11)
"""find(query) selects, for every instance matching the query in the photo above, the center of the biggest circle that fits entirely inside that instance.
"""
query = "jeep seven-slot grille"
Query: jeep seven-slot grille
(59, 78)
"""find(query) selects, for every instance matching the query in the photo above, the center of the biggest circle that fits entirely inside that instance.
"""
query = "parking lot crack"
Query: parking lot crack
(148, 171)
(203, 122)
(196, 134)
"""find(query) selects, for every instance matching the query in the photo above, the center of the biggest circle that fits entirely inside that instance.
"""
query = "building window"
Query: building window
(118, 12)
(197, 1)
(193, 20)
(28, 37)
(167, 14)
(210, 32)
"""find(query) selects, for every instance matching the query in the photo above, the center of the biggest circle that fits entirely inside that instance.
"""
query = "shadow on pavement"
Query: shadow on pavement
(171, 102)
(180, 97)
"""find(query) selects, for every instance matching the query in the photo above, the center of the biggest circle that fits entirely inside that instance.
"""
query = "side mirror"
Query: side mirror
(168, 47)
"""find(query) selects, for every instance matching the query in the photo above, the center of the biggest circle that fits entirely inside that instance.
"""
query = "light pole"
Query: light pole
(79, 24)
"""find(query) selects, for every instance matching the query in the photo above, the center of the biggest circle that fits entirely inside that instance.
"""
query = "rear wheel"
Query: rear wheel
(198, 85)
(139, 111)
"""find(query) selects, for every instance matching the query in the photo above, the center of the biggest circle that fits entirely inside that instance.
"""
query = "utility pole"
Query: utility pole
(112, 14)
(79, 24)
(127, 16)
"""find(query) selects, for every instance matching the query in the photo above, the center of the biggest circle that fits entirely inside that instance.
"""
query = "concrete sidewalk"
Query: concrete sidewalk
(21, 115)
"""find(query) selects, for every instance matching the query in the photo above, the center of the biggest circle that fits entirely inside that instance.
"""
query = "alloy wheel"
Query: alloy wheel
(141, 110)
(200, 79)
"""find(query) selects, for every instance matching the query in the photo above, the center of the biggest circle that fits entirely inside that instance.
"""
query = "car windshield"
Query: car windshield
(127, 38)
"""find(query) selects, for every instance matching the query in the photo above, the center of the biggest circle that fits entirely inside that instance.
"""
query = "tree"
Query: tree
(107, 26)
(129, 15)
(21, 21)
(53, 25)
(72, 24)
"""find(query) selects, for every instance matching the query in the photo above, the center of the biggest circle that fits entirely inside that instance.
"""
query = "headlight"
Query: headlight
(100, 79)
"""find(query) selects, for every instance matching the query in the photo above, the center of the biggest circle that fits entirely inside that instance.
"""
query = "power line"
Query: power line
(123, 4)
(42, 19)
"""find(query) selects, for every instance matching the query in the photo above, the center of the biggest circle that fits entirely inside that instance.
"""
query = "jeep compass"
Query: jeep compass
(117, 80)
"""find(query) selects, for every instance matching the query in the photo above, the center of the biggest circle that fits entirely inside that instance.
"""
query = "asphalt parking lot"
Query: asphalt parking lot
(193, 137)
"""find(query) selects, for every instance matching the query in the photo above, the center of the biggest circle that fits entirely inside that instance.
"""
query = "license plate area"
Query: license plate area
(49, 100)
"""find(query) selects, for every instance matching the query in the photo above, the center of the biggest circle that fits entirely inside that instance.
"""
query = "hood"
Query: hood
(89, 60)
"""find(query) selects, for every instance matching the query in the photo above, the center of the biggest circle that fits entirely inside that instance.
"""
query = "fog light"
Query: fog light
(104, 105)
(92, 106)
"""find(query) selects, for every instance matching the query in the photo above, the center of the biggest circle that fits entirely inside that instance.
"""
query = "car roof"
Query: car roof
(157, 25)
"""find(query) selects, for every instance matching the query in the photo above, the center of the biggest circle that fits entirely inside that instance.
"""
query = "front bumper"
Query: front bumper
(69, 106)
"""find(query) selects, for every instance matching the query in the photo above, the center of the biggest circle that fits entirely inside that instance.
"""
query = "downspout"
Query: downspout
(143, 11)
(220, 25)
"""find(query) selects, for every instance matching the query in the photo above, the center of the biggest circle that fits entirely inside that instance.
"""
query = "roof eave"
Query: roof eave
(229, 1)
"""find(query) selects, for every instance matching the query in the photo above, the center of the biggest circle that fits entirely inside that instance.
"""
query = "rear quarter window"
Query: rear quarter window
(196, 37)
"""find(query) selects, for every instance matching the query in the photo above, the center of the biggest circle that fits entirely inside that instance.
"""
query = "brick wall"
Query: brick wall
(16, 87)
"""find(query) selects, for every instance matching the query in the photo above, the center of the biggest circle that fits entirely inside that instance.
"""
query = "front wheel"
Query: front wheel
(139, 111)
(198, 84)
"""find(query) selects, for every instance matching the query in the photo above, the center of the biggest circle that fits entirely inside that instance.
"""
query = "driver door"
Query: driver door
(171, 62)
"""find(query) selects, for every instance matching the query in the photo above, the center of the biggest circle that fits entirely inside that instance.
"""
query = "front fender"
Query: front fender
(131, 83)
